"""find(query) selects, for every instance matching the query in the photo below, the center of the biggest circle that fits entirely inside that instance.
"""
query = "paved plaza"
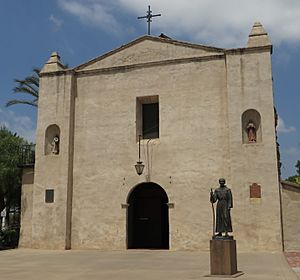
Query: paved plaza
(23, 264)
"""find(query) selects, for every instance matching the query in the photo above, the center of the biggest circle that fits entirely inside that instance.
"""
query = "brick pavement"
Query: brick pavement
(293, 259)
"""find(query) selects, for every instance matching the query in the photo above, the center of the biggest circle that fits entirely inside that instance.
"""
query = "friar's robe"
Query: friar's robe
(223, 220)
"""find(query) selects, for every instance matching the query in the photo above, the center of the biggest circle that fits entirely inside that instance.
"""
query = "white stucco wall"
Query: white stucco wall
(202, 96)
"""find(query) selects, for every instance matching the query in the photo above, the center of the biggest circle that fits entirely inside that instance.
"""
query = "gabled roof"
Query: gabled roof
(148, 49)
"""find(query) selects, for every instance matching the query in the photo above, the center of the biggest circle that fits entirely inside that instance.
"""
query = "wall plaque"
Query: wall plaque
(255, 191)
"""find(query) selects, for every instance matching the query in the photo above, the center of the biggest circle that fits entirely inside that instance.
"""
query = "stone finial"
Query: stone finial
(258, 36)
(53, 64)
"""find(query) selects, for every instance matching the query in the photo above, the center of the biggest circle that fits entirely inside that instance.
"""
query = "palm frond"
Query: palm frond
(26, 89)
(29, 85)
(36, 70)
(32, 80)
(17, 101)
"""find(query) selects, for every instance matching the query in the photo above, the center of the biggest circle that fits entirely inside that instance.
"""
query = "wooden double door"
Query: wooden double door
(148, 219)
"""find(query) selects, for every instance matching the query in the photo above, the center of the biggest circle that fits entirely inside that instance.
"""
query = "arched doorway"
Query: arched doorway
(148, 218)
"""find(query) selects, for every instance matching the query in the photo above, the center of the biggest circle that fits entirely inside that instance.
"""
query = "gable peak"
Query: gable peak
(258, 36)
(53, 64)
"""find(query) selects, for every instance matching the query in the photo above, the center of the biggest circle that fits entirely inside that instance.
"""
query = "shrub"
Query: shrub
(9, 238)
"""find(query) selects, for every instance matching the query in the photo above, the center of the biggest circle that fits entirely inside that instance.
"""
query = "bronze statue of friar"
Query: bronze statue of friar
(223, 219)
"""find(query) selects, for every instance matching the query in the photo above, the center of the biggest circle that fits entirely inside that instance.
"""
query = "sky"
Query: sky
(30, 30)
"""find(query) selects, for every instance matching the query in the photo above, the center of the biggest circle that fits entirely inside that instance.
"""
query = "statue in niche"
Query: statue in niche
(55, 145)
(251, 132)
(225, 203)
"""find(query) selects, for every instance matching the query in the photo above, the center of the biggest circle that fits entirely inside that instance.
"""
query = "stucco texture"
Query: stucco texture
(202, 94)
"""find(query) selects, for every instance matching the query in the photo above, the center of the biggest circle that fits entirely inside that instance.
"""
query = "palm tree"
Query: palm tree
(30, 85)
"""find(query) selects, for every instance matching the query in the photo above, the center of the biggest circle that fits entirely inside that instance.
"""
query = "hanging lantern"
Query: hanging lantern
(139, 166)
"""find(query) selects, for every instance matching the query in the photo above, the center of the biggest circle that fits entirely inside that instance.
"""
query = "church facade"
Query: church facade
(195, 113)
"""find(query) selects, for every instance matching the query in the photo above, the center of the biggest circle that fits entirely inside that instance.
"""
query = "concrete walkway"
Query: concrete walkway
(23, 264)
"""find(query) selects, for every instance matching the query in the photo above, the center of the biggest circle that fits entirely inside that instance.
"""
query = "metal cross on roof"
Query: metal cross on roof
(149, 17)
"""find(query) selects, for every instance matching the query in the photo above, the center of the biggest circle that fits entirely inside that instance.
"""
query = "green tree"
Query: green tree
(28, 86)
(295, 178)
(298, 167)
(10, 174)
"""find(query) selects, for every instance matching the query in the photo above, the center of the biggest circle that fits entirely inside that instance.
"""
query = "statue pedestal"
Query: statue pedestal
(223, 262)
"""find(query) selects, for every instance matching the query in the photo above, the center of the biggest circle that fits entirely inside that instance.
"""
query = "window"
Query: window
(49, 196)
(148, 117)
(150, 121)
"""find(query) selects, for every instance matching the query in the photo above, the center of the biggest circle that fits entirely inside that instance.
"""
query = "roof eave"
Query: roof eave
(149, 37)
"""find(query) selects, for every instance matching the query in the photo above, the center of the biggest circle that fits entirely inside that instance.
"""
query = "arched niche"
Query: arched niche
(52, 140)
(251, 127)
